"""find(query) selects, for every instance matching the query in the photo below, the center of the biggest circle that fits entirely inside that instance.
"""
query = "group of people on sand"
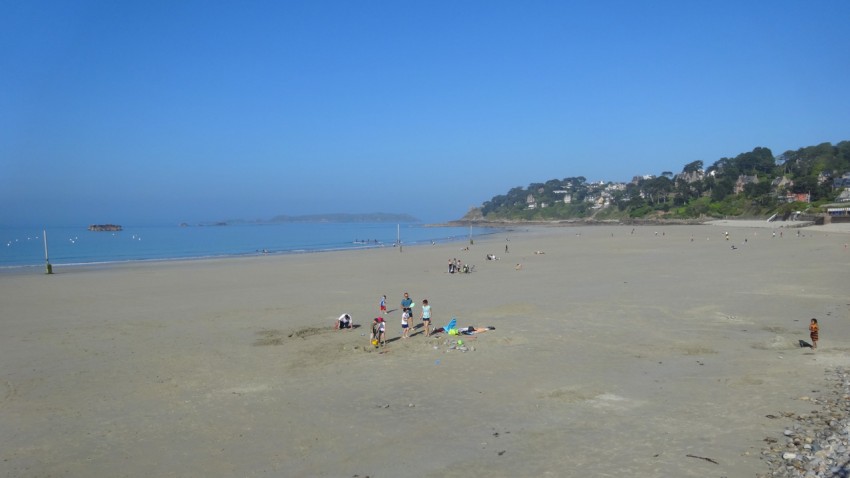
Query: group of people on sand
(378, 336)
(456, 265)
(379, 325)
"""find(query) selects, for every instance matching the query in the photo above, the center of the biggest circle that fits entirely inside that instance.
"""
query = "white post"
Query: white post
(48, 267)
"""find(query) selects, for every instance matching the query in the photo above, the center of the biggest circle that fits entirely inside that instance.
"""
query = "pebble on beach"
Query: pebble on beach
(818, 443)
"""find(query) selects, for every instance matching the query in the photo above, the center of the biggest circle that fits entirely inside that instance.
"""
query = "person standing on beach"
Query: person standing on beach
(383, 304)
(406, 304)
(379, 332)
(426, 317)
(813, 333)
(405, 325)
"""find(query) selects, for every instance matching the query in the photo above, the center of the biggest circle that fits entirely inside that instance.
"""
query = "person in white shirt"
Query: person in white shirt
(343, 322)
(405, 325)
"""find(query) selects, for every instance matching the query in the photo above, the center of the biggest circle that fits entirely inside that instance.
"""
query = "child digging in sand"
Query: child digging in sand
(813, 333)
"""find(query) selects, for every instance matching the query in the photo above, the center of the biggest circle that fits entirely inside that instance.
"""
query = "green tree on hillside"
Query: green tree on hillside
(810, 169)
(692, 167)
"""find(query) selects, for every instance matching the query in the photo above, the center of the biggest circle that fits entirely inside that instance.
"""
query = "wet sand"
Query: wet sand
(615, 354)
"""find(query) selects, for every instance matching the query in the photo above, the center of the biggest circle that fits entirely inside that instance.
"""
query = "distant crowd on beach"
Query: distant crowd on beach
(456, 265)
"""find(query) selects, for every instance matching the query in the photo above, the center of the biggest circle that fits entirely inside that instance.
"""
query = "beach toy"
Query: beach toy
(460, 342)
(453, 332)
(375, 342)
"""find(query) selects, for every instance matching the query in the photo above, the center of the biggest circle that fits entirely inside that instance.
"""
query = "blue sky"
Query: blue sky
(160, 112)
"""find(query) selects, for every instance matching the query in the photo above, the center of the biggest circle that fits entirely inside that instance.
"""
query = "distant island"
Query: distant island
(105, 227)
(342, 217)
(377, 217)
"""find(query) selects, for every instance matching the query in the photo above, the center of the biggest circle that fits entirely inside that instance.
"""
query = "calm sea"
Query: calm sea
(24, 247)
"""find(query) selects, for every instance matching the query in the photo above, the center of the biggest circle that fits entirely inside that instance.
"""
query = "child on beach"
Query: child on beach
(813, 333)
(379, 332)
(383, 305)
(426, 317)
(405, 325)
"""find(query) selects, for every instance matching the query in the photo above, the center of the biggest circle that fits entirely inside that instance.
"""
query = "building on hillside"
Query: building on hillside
(797, 197)
(691, 176)
(838, 212)
(646, 177)
(568, 197)
(743, 180)
(781, 183)
(842, 182)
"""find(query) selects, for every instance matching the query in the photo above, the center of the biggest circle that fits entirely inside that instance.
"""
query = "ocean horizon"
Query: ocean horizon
(23, 247)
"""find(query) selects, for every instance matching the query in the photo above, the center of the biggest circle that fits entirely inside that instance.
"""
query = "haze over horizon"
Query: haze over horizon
(161, 113)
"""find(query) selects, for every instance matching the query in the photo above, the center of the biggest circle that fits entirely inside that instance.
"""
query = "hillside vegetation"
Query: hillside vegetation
(752, 184)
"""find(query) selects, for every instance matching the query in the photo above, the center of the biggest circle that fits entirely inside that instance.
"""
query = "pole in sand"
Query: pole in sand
(48, 267)
(398, 236)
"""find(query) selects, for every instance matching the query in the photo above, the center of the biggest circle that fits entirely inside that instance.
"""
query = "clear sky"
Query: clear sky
(158, 112)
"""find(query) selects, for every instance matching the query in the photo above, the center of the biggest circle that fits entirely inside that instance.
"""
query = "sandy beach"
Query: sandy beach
(617, 351)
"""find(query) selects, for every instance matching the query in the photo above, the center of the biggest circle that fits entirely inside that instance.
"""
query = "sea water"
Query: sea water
(24, 247)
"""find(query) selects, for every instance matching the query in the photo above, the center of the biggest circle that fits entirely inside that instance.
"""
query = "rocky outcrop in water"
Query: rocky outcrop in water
(105, 227)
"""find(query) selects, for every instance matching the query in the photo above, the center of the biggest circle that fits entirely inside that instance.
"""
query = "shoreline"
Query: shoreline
(497, 226)
(617, 351)
(751, 223)
(18, 268)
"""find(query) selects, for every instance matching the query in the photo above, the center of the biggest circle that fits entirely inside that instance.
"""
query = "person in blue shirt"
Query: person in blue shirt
(406, 304)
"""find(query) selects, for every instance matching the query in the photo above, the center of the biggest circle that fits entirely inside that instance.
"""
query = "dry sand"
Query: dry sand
(615, 354)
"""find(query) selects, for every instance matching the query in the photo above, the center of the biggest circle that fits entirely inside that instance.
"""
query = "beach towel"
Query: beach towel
(451, 325)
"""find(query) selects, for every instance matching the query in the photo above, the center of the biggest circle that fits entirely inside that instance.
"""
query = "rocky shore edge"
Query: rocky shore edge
(817, 444)
(577, 222)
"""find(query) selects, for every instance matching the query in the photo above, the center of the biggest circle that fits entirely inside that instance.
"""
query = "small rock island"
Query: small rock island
(105, 227)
